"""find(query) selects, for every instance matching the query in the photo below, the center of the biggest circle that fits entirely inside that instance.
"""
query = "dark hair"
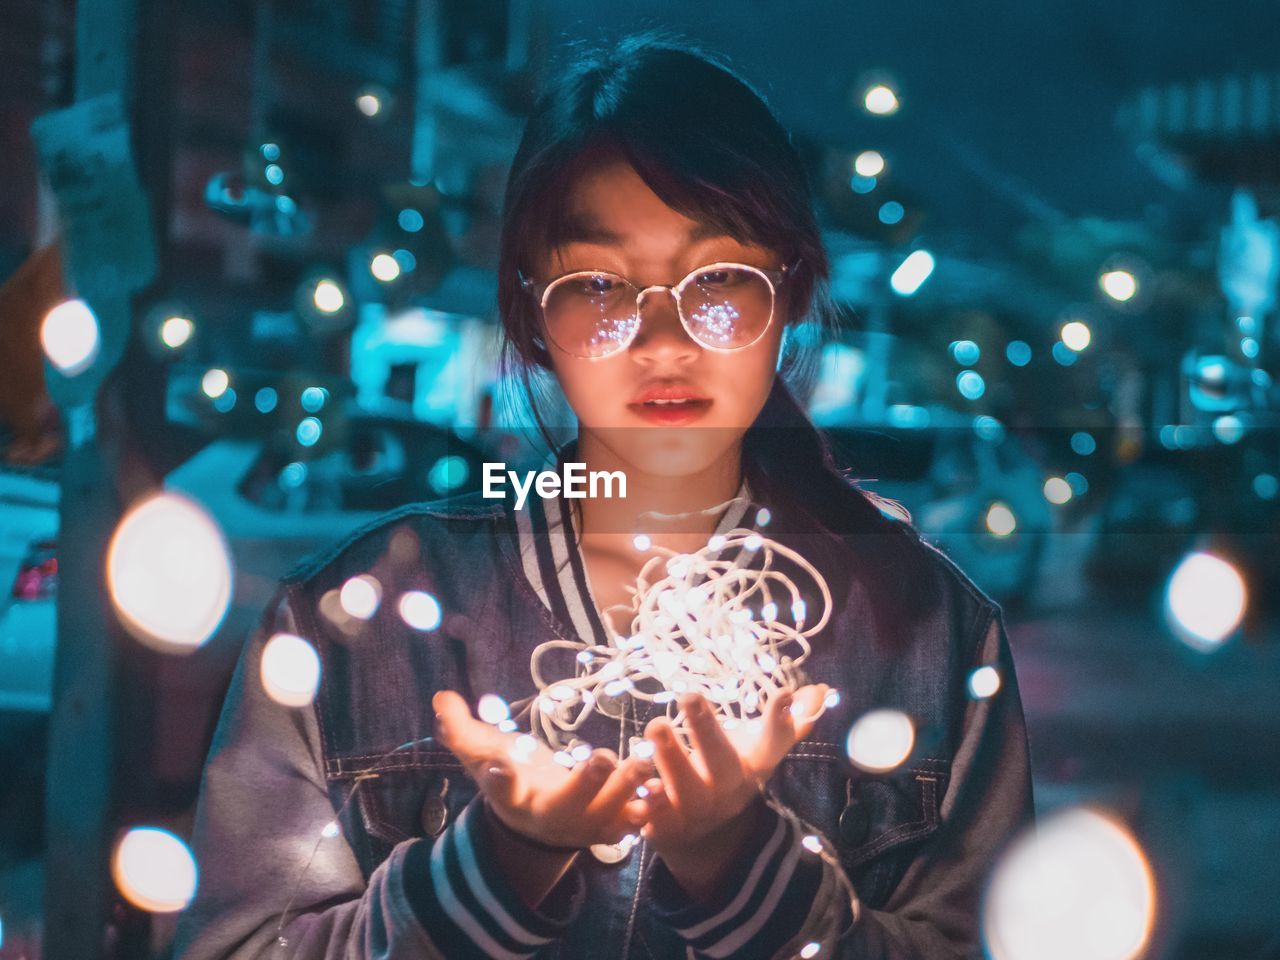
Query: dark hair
(710, 147)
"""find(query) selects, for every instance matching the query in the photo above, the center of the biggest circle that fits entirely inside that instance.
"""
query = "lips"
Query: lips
(670, 404)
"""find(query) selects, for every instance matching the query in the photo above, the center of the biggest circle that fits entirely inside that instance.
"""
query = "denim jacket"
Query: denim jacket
(310, 821)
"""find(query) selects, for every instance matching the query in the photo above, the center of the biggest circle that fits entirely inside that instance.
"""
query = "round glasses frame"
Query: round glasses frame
(775, 279)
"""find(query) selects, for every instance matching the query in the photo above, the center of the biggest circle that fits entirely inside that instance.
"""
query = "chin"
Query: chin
(672, 451)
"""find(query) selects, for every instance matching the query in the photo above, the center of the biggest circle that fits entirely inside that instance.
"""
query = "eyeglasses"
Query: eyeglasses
(594, 313)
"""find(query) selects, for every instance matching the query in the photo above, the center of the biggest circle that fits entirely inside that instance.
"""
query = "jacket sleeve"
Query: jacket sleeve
(935, 910)
(273, 883)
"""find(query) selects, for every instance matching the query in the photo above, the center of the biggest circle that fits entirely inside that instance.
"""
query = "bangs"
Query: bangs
(711, 185)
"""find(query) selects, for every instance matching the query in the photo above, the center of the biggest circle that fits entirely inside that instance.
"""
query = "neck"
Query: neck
(604, 521)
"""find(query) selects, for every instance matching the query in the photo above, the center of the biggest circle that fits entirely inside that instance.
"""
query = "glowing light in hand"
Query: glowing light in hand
(420, 610)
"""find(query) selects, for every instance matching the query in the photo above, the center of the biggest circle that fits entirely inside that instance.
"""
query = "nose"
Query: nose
(661, 335)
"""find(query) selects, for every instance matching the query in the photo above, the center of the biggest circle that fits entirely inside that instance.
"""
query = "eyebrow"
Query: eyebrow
(579, 229)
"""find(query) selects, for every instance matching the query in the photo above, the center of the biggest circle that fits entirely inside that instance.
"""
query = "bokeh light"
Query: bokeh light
(912, 273)
(290, 670)
(1119, 285)
(1077, 887)
(420, 610)
(1205, 600)
(1018, 352)
(984, 682)
(970, 384)
(313, 399)
(891, 213)
(1082, 442)
(881, 100)
(154, 870)
(965, 352)
(328, 297)
(493, 709)
(860, 184)
(448, 473)
(410, 220)
(176, 331)
(70, 338)
(869, 163)
(369, 103)
(169, 573)
(384, 267)
(881, 740)
(361, 596)
(1057, 490)
(1076, 335)
(308, 432)
(266, 399)
(1000, 520)
(215, 382)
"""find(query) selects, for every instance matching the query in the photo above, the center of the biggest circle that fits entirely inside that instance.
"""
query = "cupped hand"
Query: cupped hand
(695, 809)
(595, 802)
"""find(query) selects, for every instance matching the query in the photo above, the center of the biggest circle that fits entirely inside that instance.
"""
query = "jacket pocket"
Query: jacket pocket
(418, 797)
(878, 824)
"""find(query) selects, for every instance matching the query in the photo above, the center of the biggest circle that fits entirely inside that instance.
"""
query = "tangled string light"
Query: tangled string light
(723, 622)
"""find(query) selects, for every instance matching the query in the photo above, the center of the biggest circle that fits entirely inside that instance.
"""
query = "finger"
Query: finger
(620, 788)
(810, 703)
(499, 782)
(724, 766)
(683, 784)
(584, 782)
(468, 738)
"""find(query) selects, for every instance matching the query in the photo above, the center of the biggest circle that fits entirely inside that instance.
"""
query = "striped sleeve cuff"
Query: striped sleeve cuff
(763, 903)
(466, 904)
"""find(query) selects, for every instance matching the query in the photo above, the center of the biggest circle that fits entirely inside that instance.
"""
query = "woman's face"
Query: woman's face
(623, 227)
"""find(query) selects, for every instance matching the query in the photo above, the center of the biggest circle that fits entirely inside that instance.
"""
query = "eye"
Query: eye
(720, 278)
(596, 284)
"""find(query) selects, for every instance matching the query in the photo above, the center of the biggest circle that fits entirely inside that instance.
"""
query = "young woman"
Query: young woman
(658, 246)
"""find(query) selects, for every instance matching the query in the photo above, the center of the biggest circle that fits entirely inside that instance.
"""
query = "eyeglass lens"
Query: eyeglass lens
(595, 314)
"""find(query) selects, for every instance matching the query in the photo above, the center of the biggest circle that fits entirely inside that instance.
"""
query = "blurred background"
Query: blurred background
(247, 255)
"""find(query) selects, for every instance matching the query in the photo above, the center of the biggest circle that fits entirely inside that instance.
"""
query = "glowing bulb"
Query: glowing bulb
(70, 338)
(912, 273)
(330, 830)
(328, 297)
(1057, 490)
(1119, 285)
(881, 740)
(360, 596)
(176, 331)
(384, 267)
(1078, 886)
(420, 610)
(1000, 520)
(810, 949)
(214, 383)
(290, 670)
(1205, 600)
(1076, 334)
(169, 573)
(493, 709)
(869, 163)
(812, 843)
(369, 104)
(643, 749)
(642, 541)
(880, 100)
(154, 870)
(984, 682)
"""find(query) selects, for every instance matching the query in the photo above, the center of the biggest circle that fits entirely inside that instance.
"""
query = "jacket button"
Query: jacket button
(614, 852)
(854, 823)
(434, 815)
